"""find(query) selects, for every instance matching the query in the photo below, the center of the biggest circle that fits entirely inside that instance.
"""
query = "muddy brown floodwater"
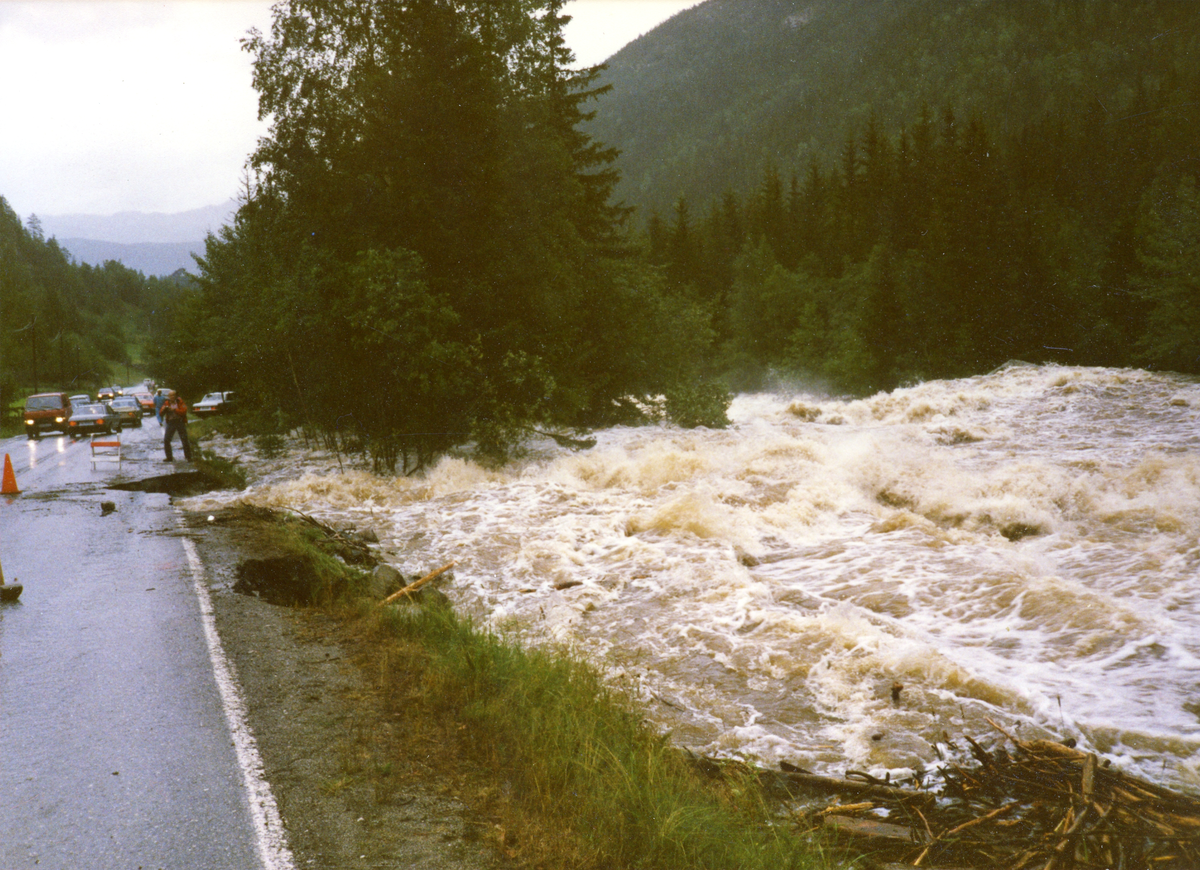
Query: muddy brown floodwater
(352, 792)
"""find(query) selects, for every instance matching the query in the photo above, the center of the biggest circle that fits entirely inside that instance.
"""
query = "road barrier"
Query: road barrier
(109, 449)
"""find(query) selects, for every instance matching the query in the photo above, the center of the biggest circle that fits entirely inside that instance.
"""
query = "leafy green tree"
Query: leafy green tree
(766, 304)
(427, 234)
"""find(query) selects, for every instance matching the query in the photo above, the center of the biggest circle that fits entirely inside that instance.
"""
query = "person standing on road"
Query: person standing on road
(174, 413)
(159, 398)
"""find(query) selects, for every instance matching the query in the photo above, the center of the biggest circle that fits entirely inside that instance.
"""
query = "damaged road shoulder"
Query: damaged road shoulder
(328, 745)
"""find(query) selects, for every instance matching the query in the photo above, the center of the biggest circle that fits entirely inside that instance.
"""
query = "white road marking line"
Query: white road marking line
(271, 839)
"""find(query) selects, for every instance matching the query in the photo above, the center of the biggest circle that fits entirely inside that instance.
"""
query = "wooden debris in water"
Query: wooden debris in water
(413, 587)
(352, 548)
(1023, 805)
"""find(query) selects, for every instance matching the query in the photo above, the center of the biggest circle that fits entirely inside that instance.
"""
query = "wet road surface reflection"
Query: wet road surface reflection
(114, 749)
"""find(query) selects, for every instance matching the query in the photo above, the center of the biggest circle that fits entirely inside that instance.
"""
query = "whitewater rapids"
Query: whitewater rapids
(1020, 547)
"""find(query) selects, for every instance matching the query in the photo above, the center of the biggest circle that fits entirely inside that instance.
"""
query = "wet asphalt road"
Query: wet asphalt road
(115, 749)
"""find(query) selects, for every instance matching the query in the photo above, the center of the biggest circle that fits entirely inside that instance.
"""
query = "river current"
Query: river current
(844, 584)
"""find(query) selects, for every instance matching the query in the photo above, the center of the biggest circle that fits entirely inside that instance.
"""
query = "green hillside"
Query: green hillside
(882, 191)
(69, 326)
(703, 103)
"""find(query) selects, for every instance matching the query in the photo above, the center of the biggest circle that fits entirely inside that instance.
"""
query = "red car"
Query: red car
(47, 411)
(144, 399)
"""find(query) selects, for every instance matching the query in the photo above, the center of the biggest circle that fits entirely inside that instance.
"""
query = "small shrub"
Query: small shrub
(226, 473)
(269, 444)
(695, 405)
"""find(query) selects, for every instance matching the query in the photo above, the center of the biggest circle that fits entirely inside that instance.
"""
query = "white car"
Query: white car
(214, 403)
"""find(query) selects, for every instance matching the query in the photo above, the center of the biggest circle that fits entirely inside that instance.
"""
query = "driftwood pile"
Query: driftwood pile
(353, 547)
(1024, 805)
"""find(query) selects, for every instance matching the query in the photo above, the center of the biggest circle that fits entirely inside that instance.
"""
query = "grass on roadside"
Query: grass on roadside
(576, 757)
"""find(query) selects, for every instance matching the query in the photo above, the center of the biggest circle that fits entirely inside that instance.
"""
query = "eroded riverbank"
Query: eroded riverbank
(353, 791)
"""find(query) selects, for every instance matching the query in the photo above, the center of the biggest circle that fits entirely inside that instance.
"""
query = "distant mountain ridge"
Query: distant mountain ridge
(154, 243)
(154, 259)
(136, 227)
(711, 97)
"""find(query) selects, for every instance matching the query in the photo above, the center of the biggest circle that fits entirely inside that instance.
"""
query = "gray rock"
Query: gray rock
(384, 581)
(429, 597)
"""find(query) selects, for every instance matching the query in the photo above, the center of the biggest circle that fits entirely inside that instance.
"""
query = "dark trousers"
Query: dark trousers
(172, 426)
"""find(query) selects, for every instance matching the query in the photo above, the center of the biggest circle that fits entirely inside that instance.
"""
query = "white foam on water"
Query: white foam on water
(1020, 547)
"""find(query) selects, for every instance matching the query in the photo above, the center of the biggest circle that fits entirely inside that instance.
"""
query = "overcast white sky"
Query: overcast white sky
(146, 105)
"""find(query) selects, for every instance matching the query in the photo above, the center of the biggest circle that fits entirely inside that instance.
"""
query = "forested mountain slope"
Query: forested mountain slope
(706, 101)
(881, 191)
(69, 326)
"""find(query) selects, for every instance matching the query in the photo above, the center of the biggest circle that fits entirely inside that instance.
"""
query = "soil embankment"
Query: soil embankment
(353, 793)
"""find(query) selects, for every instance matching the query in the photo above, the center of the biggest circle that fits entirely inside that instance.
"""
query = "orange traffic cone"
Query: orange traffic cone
(10, 592)
(10, 480)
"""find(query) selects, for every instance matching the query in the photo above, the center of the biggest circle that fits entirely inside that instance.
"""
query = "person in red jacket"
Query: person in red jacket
(174, 413)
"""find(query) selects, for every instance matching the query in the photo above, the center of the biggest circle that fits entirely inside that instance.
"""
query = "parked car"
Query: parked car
(45, 411)
(129, 410)
(96, 417)
(214, 403)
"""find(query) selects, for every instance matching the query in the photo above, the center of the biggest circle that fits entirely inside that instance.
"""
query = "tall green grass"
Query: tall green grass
(577, 753)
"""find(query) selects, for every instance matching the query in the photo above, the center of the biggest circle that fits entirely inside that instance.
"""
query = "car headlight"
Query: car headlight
(59, 419)
(29, 423)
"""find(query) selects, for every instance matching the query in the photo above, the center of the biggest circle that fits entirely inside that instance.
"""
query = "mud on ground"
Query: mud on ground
(353, 789)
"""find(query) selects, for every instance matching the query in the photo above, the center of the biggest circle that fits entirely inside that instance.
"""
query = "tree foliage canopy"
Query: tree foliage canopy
(427, 249)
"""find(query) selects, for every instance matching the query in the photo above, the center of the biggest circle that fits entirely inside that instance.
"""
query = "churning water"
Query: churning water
(1021, 547)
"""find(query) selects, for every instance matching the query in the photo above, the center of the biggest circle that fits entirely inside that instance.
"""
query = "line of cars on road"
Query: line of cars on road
(111, 411)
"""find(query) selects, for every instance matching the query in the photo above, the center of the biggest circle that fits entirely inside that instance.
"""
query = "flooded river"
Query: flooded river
(1021, 547)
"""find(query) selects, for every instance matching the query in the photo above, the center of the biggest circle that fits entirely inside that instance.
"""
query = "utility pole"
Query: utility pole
(61, 368)
(33, 340)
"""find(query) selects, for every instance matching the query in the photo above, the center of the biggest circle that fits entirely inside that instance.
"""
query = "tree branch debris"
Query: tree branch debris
(1024, 805)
